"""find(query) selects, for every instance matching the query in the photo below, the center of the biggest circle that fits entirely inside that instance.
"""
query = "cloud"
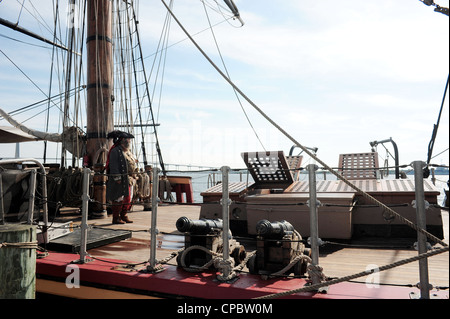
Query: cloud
(340, 36)
(333, 74)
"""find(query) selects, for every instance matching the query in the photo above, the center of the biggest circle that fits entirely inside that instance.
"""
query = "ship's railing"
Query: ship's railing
(32, 192)
(317, 282)
(422, 235)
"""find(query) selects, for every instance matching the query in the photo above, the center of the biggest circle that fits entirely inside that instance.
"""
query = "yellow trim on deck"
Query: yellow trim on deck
(59, 289)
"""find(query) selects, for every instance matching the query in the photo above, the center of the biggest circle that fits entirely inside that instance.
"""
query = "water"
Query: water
(202, 180)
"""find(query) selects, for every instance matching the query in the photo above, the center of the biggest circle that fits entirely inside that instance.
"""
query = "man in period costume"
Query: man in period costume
(120, 167)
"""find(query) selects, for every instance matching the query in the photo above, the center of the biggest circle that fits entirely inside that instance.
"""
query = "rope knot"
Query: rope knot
(226, 269)
(316, 271)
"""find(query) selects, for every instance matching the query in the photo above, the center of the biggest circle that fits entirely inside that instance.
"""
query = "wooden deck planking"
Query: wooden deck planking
(353, 260)
(337, 261)
(137, 248)
(369, 186)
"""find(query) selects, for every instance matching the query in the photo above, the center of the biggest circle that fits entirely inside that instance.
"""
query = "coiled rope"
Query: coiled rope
(216, 260)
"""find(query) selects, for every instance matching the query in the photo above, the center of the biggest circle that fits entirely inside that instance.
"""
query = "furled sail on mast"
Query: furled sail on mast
(52, 137)
(72, 136)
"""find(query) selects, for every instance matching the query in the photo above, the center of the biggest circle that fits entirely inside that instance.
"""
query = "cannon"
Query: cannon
(275, 230)
(198, 227)
(205, 233)
(278, 244)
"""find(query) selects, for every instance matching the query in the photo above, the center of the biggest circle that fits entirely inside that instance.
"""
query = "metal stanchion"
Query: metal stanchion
(226, 265)
(421, 223)
(2, 206)
(32, 196)
(313, 219)
(226, 220)
(153, 229)
(84, 218)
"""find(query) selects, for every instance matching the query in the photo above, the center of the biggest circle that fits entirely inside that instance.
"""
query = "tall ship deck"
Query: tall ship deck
(108, 219)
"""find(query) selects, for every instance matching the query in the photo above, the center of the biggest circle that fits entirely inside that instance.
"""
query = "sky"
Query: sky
(335, 75)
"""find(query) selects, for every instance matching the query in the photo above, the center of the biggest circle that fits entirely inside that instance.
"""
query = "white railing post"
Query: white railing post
(84, 218)
(2, 206)
(32, 196)
(226, 265)
(313, 220)
(225, 213)
(153, 229)
(421, 223)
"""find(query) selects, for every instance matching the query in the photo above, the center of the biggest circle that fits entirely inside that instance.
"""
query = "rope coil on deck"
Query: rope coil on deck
(216, 260)
(205, 266)
(291, 264)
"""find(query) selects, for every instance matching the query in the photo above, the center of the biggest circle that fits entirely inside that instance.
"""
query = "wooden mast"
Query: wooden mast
(100, 80)
(100, 120)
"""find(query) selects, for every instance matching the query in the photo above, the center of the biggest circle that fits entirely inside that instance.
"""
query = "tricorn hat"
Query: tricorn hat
(117, 135)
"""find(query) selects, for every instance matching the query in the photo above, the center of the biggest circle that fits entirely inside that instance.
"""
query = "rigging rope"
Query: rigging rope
(131, 15)
(226, 70)
(435, 129)
(367, 196)
(144, 154)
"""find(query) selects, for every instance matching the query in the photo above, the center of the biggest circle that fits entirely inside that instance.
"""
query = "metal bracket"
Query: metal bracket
(414, 204)
(318, 203)
(321, 290)
(320, 242)
(153, 270)
(416, 295)
(416, 246)
(80, 261)
(229, 201)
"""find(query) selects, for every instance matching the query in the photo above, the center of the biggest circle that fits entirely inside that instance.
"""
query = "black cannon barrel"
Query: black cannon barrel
(202, 226)
(277, 230)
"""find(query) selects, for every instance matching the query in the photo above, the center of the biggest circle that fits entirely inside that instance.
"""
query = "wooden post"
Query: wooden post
(17, 261)
(99, 93)
(99, 80)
